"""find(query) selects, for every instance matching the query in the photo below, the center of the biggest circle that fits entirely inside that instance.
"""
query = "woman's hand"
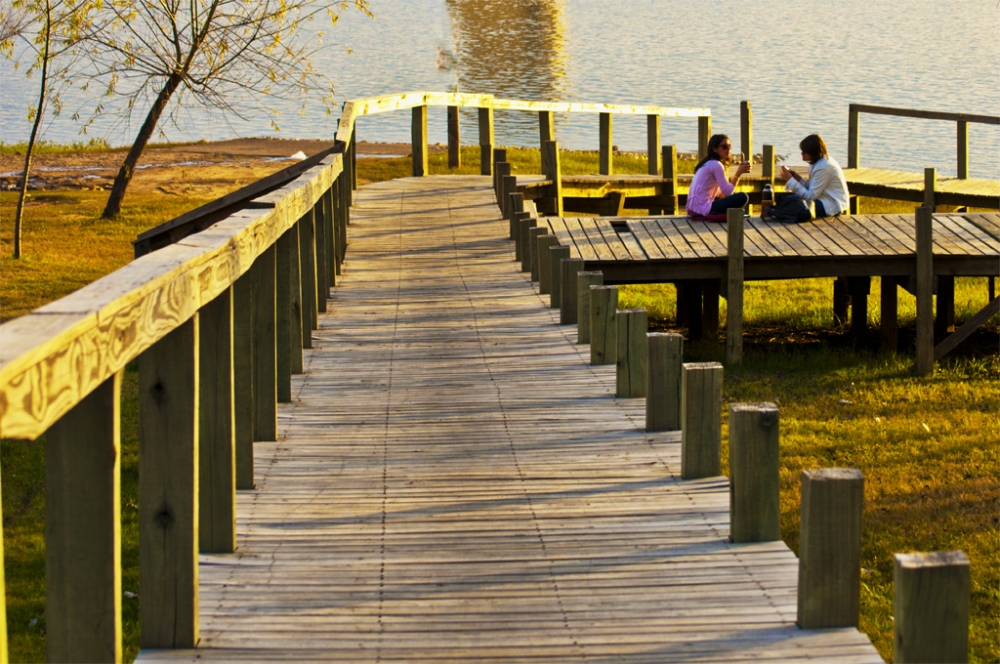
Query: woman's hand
(788, 174)
(742, 168)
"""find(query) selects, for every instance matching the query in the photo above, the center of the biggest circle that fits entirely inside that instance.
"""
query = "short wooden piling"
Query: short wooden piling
(603, 326)
(701, 420)
(556, 256)
(889, 313)
(516, 206)
(663, 376)
(501, 170)
(830, 548)
(734, 288)
(568, 304)
(925, 287)
(931, 607)
(584, 280)
(509, 187)
(454, 139)
(520, 233)
(524, 226)
(754, 512)
(418, 140)
(533, 235)
(543, 262)
(767, 163)
(486, 141)
(653, 144)
(632, 354)
(669, 189)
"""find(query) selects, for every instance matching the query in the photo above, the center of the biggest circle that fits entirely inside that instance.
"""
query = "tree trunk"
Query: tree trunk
(127, 169)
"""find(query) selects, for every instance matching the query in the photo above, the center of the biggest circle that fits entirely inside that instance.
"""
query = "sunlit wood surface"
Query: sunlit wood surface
(453, 482)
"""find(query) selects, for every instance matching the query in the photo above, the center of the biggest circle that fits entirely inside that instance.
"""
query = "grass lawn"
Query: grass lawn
(926, 446)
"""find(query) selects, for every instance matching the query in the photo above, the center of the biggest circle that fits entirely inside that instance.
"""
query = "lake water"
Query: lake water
(799, 64)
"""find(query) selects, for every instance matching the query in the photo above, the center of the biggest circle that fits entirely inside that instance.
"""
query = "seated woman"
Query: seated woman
(711, 193)
(826, 185)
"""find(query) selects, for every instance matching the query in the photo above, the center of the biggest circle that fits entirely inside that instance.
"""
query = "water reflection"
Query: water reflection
(514, 49)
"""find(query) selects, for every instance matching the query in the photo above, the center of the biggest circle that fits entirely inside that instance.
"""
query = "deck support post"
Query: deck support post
(83, 585)
(963, 149)
(925, 286)
(889, 315)
(243, 377)
(454, 139)
(516, 207)
(168, 492)
(486, 141)
(557, 254)
(541, 265)
(546, 133)
(693, 308)
(668, 191)
(551, 151)
(734, 288)
(265, 392)
(322, 256)
(746, 130)
(568, 309)
(307, 277)
(944, 320)
(288, 317)
(767, 163)
(418, 140)
(841, 300)
(859, 288)
(653, 144)
(607, 147)
(603, 326)
(830, 548)
(930, 187)
(630, 360)
(663, 375)
(584, 281)
(216, 432)
(704, 134)
(532, 253)
(931, 594)
(754, 510)
(701, 420)
(524, 237)
(710, 289)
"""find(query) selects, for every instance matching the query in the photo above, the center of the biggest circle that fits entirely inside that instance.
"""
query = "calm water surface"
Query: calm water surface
(799, 64)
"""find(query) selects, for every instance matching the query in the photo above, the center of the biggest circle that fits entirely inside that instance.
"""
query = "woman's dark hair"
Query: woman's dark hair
(713, 144)
(814, 146)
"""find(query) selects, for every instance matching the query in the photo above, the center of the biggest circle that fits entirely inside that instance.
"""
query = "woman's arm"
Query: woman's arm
(719, 171)
(813, 188)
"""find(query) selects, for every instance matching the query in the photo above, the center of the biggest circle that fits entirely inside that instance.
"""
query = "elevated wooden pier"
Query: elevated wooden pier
(453, 481)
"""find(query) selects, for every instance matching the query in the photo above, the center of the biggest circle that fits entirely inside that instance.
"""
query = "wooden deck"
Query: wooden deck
(901, 185)
(454, 482)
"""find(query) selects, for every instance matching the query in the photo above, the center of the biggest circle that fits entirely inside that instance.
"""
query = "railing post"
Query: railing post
(216, 431)
(533, 234)
(288, 313)
(83, 585)
(418, 139)
(754, 510)
(307, 262)
(663, 374)
(746, 130)
(555, 174)
(524, 240)
(853, 137)
(653, 144)
(499, 157)
(568, 309)
(734, 289)
(704, 133)
(509, 187)
(353, 159)
(546, 133)
(925, 289)
(930, 187)
(830, 548)
(168, 492)
(603, 326)
(670, 176)
(520, 232)
(543, 262)
(243, 377)
(322, 254)
(767, 164)
(963, 149)
(607, 165)
(454, 139)
(630, 360)
(265, 393)
(557, 254)
(501, 170)
(701, 420)
(584, 281)
(931, 607)
(486, 141)
(516, 206)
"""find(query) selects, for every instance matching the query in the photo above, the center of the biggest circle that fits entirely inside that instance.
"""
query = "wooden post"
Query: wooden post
(542, 263)
(546, 133)
(555, 174)
(557, 254)
(963, 149)
(418, 138)
(630, 360)
(568, 302)
(925, 288)
(930, 186)
(486, 142)
(853, 137)
(607, 158)
(520, 229)
(454, 139)
(704, 133)
(307, 262)
(754, 510)
(509, 187)
(499, 157)
(353, 170)
(168, 492)
(944, 320)
(767, 164)
(4, 659)
(701, 420)
(653, 144)
(859, 288)
(243, 376)
(692, 302)
(830, 548)
(670, 190)
(83, 585)
(734, 288)
(663, 375)
(603, 326)
(746, 130)
(889, 314)
(710, 289)
(524, 232)
(216, 430)
(501, 170)
(584, 281)
(265, 388)
(533, 234)
(841, 300)
(931, 607)
(288, 330)
(516, 205)
(322, 255)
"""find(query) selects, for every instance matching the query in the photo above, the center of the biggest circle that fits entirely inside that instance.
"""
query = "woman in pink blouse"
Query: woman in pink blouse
(711, 192)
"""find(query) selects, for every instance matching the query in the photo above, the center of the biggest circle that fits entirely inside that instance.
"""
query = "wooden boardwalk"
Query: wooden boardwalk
(453, 482)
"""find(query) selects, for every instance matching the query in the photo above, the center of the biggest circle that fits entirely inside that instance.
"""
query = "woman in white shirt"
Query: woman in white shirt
(826, 185)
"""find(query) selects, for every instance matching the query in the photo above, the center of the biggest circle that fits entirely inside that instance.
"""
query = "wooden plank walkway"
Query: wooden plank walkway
(902, 185)
(453, 482)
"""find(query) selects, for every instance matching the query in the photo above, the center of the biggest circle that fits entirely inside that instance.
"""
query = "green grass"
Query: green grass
(46, 147)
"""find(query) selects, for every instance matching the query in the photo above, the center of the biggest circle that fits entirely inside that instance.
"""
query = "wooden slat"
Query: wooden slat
(771, 231)
(970, 235)
(583, 244)
(672, 233)
(988, 222)
(590, 231)
(640, 229)
(889, 235)
(603, 226)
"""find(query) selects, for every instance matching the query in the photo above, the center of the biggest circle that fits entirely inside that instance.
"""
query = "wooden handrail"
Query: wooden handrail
(926, 115)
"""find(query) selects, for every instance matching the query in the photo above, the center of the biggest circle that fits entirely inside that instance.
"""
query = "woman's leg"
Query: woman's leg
(737, 200)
